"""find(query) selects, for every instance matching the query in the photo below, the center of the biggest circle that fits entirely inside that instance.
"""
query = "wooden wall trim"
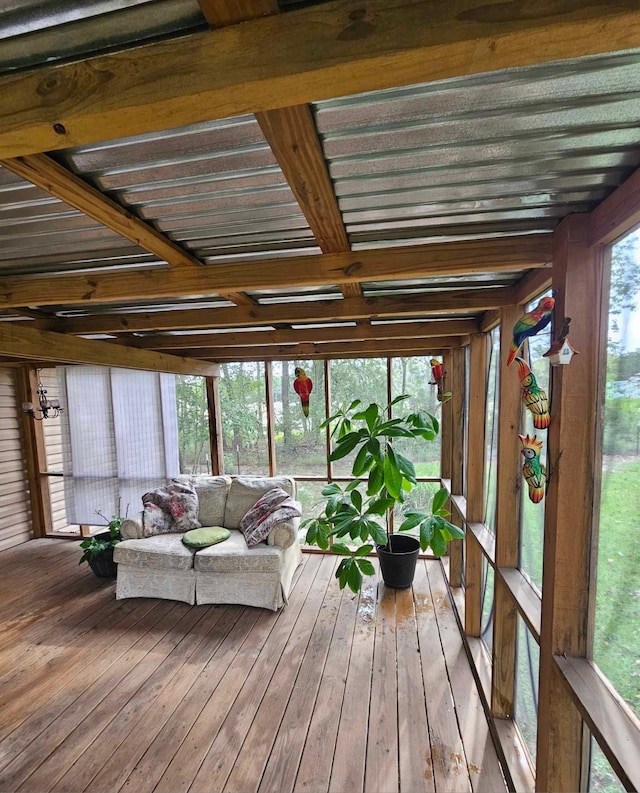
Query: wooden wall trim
(618, 214)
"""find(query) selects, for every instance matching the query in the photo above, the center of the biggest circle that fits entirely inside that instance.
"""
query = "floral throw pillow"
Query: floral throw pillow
(172, 509)
(276, 506)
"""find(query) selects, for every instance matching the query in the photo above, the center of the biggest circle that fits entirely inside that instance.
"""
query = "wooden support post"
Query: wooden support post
(271, 444)
(35, 456)
(507, 526)
(215, 425)
(577, 282)
(446, 418)
(457, 462)
(475, 479)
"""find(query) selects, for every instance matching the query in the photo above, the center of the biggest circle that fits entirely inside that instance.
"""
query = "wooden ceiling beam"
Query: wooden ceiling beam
(435, 260)
(220, 13)
(320, 52)
(292, 135)
(490, 320)
(386, 330)
(353, 308)
(40, 345)
(331, 350)
(532, 284)
(58, 181)
(618, 214)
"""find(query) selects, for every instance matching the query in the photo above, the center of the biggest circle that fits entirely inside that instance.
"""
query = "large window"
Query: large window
(532, 515)
(491, 437)
(244, 418)
(617, 614)
(194, 448)
(299, 442)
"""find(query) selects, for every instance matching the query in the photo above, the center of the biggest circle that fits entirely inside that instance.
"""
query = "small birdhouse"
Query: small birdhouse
(561, 352)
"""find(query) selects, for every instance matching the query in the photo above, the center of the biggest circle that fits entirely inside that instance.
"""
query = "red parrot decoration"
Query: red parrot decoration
(530, 324)
(437, 375)
(303, 386)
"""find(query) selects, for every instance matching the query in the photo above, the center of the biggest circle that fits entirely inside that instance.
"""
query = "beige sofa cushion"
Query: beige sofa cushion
(212, 497)
(233, 556)
(246, 490)
(164, 552)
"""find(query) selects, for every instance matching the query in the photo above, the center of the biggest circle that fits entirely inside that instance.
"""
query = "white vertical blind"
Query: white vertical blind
(120, 438)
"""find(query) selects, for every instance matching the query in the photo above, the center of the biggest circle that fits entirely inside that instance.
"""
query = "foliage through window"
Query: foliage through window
(617, 613)
(193, 425)
(244, 418)
(491, 431)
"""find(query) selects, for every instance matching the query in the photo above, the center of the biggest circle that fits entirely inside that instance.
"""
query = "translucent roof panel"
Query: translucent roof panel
(489, 154)
(215, 188)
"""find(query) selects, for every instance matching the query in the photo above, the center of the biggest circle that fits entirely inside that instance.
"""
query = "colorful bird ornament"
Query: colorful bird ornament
(534, 472)
(534, 397)
(532, 322)
(303, 386)
(437, 377)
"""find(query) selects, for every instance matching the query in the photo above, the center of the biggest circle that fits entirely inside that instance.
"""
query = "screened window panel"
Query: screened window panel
(411, 376)
(527, 675)
(617, 615)
(193, 425)
(491, 431)
(244, 418)
(488, 579)
(300, 443)
(359, 378)
(602, 777)
(532, 515)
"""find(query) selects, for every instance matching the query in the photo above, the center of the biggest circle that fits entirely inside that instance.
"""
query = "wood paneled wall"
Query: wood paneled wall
(15, 510)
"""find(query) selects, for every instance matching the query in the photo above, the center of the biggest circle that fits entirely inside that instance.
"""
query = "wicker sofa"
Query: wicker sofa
(230, 572)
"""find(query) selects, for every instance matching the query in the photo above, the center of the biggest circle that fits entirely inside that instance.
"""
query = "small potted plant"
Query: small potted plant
(349, 514)
(97, 550)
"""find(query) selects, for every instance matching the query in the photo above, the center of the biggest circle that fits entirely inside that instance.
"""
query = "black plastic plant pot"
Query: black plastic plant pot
(102, 563)
(398, 565)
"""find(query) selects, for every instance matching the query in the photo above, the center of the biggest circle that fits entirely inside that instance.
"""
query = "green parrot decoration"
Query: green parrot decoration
(534, 397)
(534, 472)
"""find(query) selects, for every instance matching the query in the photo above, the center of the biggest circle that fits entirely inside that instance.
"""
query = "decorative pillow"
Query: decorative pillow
(170, 510)
(276, 506)
(206, 536)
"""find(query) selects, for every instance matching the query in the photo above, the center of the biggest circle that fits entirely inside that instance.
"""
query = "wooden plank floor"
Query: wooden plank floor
(334, 693)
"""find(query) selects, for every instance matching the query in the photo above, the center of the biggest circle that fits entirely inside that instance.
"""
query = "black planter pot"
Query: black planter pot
(398, 565)
(102, 564)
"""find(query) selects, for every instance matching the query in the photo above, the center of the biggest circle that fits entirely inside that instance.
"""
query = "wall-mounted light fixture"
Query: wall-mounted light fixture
(50, 408)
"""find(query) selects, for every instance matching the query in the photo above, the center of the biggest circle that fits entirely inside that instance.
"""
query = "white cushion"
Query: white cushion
(233, 556)
(212, 497)
(246, 490)
(164, 552)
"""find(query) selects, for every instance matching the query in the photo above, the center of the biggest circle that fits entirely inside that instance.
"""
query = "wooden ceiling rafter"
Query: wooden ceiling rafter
(319, 52)
(384, 330)
(293, 138)
(220, 13)
(56, 180)
(503, 254)
(325, 311)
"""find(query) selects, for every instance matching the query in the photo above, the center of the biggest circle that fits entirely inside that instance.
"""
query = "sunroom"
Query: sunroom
(199, 201)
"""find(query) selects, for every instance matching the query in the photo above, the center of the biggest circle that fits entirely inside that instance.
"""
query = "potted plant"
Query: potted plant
(350, 514)
(97, 550)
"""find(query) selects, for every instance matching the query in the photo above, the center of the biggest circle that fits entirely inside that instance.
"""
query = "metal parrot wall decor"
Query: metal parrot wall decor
(303, 386)
(530, 324)
(535, 474)
(533, 397)
(437, 377)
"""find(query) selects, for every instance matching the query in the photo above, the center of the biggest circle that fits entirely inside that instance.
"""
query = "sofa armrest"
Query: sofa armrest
(131, 528)
(285, 534)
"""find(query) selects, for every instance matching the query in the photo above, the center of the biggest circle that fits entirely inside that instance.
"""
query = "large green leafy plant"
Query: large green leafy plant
(385, 476)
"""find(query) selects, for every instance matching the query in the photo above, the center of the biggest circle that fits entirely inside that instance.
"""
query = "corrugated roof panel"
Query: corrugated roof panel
(39, 32)
(523, 146)
(39, 234)
(215, 188)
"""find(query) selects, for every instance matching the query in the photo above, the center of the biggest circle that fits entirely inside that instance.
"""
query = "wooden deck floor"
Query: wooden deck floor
(334, 693)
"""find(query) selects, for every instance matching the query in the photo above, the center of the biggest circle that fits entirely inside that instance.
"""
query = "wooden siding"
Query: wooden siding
(335, 692)
(15, 511)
